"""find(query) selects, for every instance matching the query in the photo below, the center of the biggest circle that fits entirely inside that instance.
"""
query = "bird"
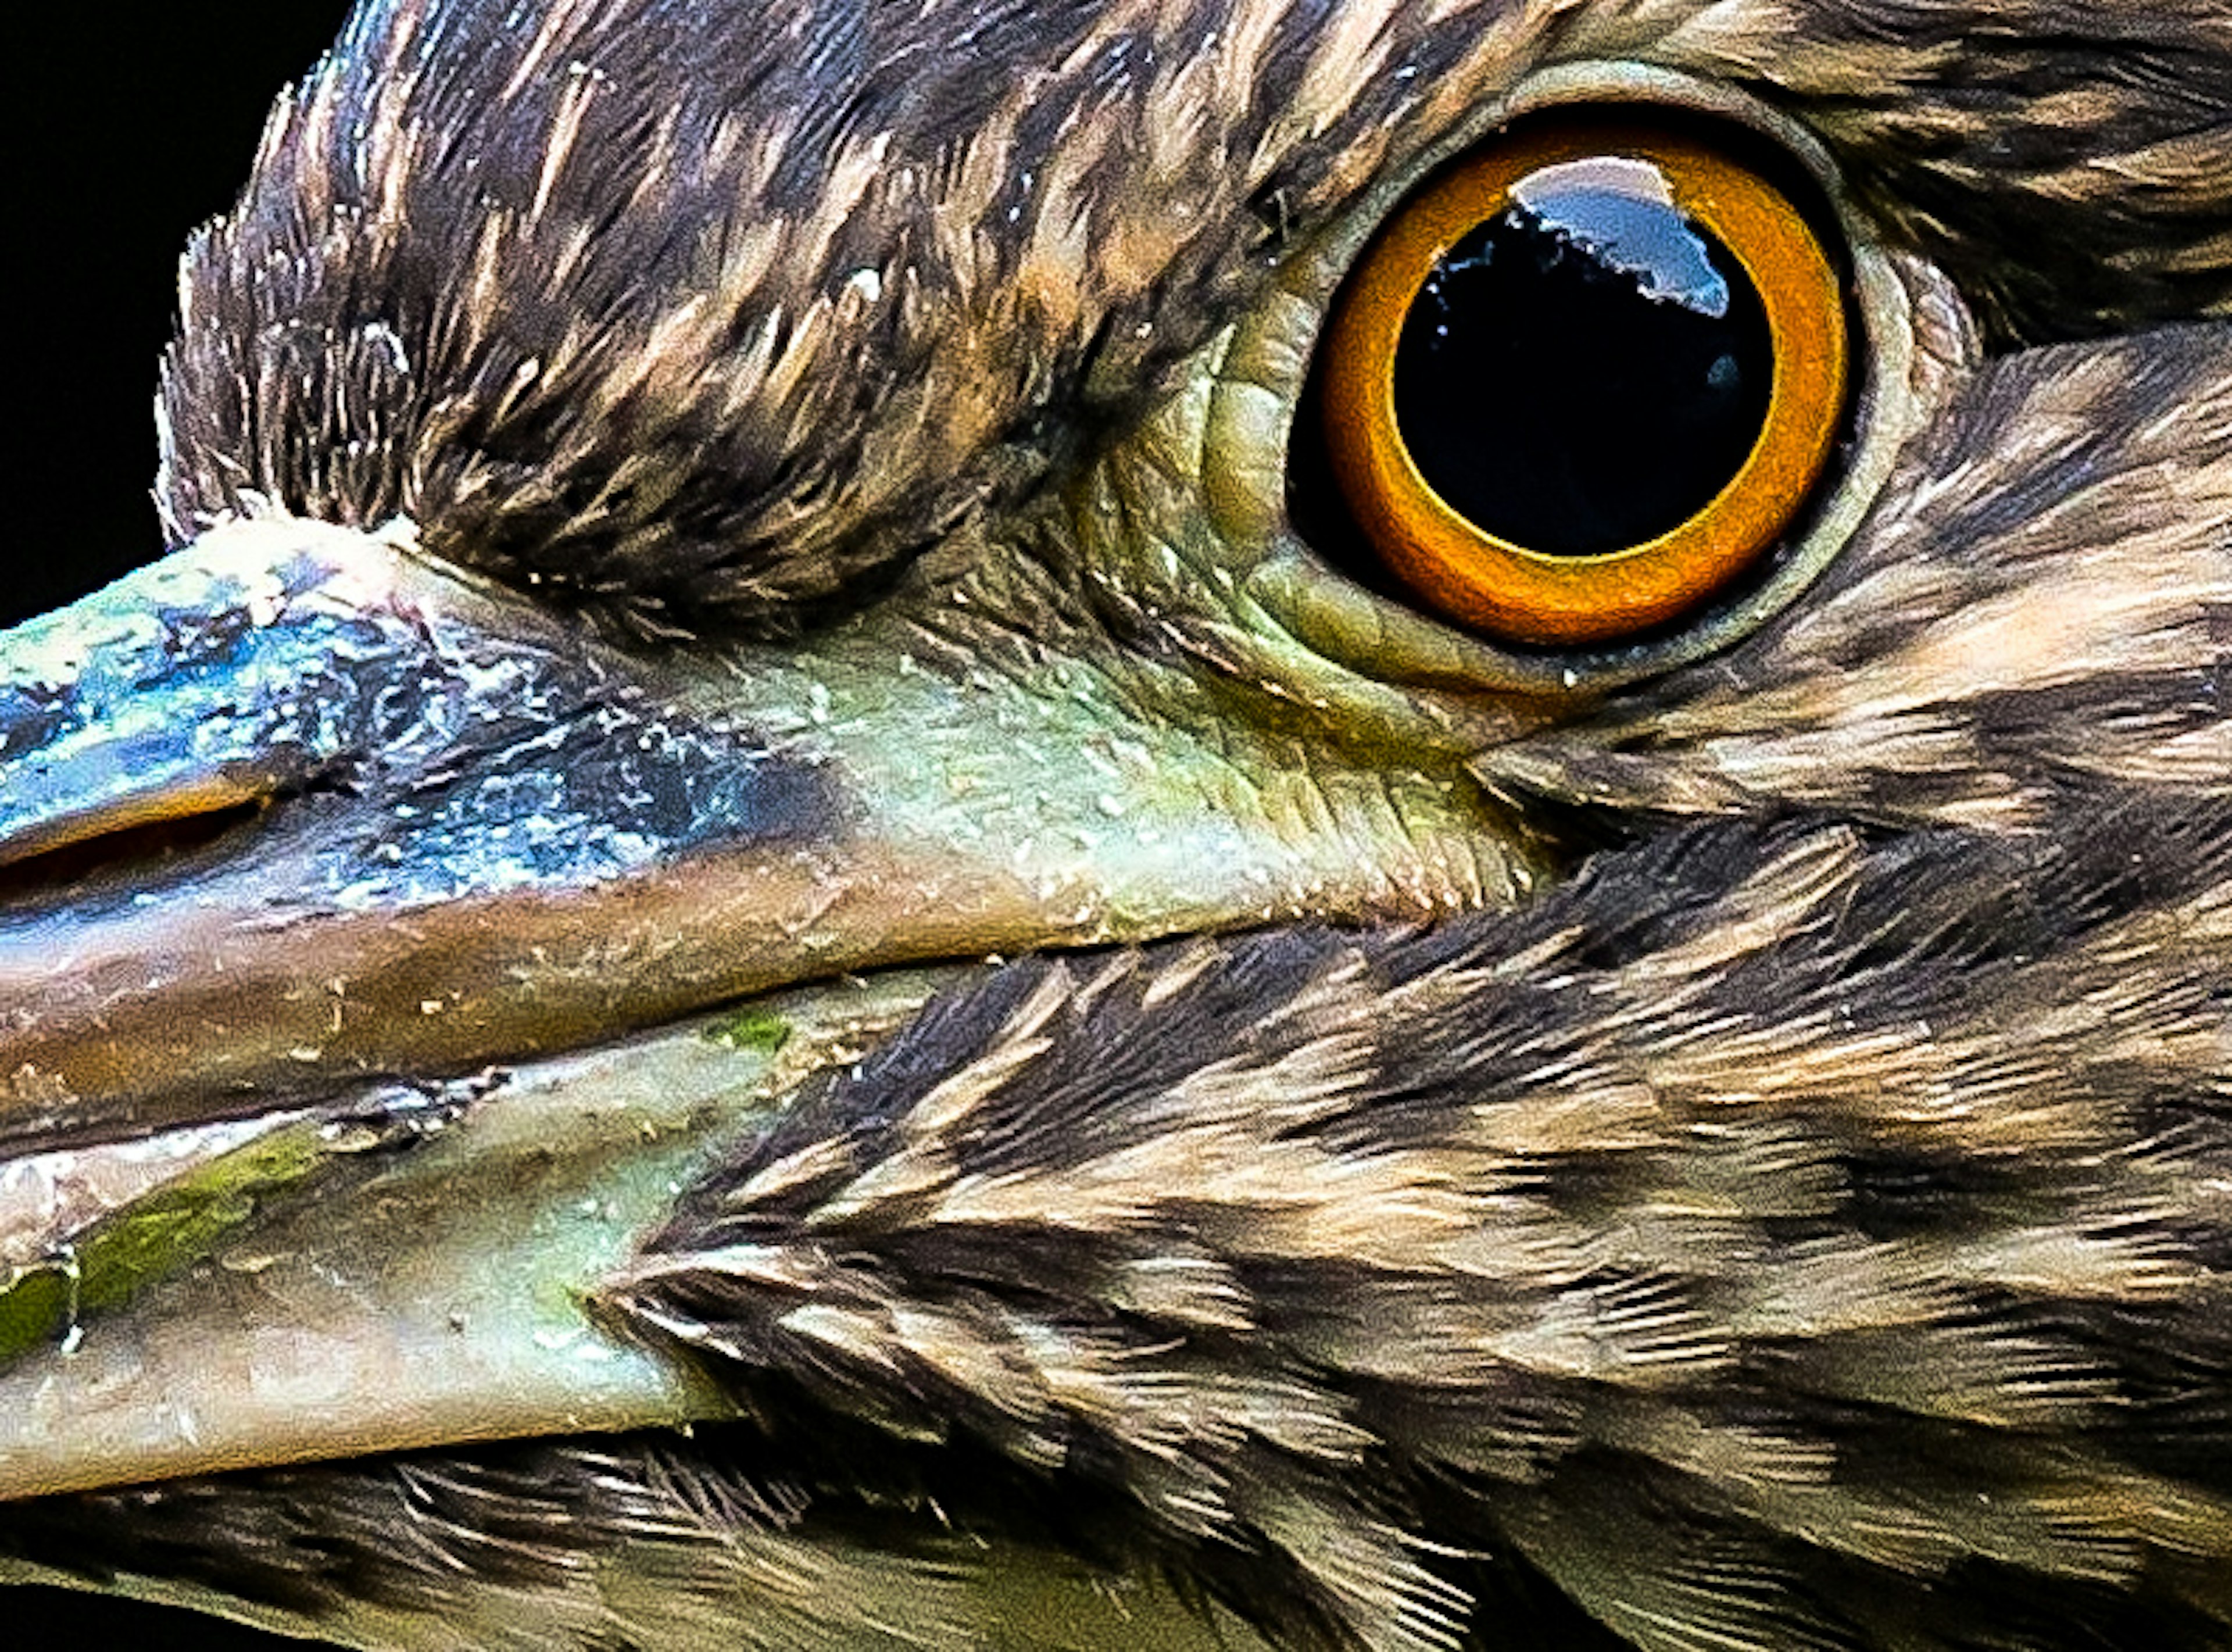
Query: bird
(802, 916)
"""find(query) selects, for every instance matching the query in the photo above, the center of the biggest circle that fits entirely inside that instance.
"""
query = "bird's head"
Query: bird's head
(698, 525)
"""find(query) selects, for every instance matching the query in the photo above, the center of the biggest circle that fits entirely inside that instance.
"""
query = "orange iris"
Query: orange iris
(1593, 212)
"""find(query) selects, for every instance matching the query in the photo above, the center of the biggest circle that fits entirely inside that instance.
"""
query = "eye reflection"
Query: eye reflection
(1586, 370)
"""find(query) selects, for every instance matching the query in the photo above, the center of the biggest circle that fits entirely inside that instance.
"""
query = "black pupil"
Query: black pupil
(1586, 371)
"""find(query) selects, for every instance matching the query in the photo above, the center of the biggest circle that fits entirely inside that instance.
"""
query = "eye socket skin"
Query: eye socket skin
(1577, 593)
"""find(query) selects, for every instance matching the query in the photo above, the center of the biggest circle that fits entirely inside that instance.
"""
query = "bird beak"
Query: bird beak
(379, 952)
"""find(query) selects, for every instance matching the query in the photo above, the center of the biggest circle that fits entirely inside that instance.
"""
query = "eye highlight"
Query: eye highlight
(1583, 380)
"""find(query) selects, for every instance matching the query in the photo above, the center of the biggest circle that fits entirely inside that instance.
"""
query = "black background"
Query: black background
(126, 126)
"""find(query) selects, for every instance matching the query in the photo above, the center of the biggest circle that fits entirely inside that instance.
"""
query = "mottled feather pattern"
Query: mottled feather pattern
(1975, 126)
(511, 1546)
(1656, 1196)
(1809, 1227)
(661, 309)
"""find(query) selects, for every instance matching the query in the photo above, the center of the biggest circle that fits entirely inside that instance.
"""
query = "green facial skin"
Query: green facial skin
(389, 1265)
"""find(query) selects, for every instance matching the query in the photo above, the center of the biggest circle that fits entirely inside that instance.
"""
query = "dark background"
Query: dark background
(126, 126)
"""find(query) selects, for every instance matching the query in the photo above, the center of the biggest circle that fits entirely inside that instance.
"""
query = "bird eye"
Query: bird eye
(1584, 380)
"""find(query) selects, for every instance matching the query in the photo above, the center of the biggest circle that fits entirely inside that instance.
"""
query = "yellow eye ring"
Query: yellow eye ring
(1524, 594)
